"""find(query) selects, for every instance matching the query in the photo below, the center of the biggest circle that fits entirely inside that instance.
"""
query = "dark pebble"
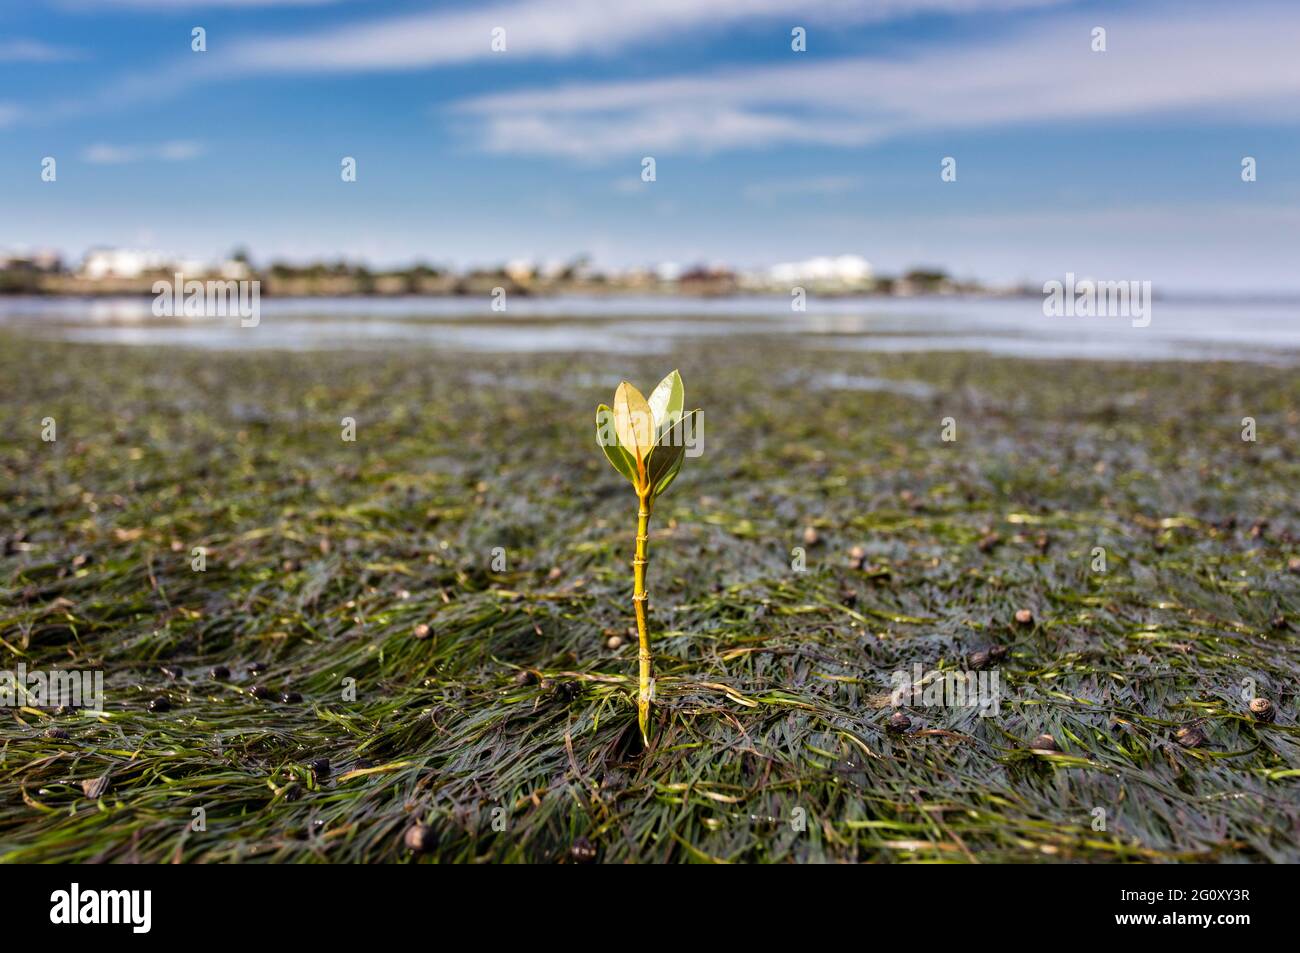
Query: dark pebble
(290, 698)
(160, 703)
(56, 734)
(219, 673)
(526, 677)
(615, 781)
(1262, 709)
(899, 721)
(94, 788)
(1044, 743)
(320, 767)
(1190, 737)
(582, 851)
(420, 839)
(261, 691)
(173, 671)
(985, 657)
(566, 691)
(256, 668)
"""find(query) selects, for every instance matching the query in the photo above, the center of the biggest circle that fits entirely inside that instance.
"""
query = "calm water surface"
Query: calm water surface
(1180, 329)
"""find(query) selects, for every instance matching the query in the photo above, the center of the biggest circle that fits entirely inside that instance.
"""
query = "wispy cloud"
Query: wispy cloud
(556, 29)
(1229, 62)
(9, 113)
(33, 51)
(177, 5)
(175, 151)
(771, 191)
(630, 185)
(535, 30)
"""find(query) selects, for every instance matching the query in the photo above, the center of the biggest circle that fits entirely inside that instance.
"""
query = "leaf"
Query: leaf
(633, 422)
(668, 478)
(666, 402)
(669, 453)
(608, 440)
(665, 459)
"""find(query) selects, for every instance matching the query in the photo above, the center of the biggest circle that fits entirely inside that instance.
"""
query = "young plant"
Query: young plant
(645, 440)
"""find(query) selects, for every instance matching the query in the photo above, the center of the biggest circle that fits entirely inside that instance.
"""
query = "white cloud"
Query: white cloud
(559, 29)
(33, 51)
(630, 185)
(818, 185)
(177, 5)
(9, 113)
(1231, 63)
(175, 151)
(546, 29)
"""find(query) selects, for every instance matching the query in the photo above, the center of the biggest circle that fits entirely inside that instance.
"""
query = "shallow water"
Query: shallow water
(1180, 329)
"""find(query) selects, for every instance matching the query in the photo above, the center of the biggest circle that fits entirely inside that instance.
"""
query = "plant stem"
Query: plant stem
(639, 596)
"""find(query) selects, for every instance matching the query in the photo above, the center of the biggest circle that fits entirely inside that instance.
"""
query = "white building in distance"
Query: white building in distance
(847, 270)
(130, 263)
(101, 263)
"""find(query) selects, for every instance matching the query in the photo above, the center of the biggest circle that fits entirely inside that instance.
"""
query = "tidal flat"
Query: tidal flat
(427, 628)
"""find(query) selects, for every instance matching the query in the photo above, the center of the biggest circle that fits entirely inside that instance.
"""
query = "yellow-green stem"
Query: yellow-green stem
(639, 596)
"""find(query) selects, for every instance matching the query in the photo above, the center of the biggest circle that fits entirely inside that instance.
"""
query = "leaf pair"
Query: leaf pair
(645, 440)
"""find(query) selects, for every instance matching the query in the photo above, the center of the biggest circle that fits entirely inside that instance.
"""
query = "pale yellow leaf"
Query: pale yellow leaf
(633, 421)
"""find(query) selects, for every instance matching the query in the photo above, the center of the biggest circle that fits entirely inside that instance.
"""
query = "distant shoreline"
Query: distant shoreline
(321, 283)
(350, 282)
(122, 290)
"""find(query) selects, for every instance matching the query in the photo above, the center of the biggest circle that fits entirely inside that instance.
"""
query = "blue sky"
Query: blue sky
(1122, 165)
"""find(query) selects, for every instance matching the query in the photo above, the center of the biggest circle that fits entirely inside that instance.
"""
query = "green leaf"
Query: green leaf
(607, 437)
(666, 460)
(666, 402)
(668, 478)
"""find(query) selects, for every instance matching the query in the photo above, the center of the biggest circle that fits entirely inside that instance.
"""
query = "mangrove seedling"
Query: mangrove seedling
(645, 440)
